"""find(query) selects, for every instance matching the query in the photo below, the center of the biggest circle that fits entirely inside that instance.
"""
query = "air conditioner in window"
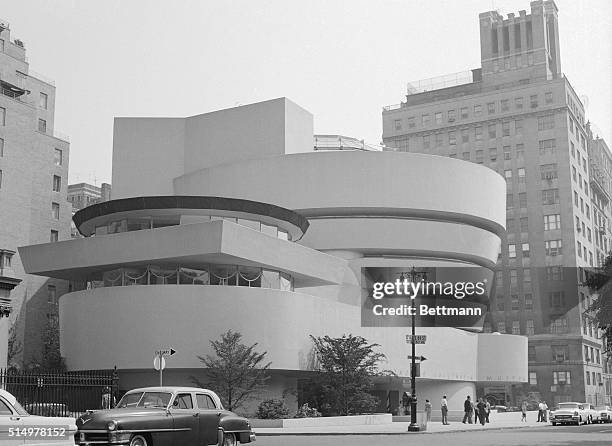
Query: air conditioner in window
(451, 119)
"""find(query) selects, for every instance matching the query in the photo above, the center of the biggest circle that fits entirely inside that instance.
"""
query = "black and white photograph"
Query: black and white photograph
(274, 222)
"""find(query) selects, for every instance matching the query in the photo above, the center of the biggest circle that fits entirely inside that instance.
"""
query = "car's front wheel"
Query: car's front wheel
(138, 440)
(229, 439)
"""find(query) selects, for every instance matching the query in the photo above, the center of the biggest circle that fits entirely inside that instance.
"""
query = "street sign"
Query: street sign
(165, 352)
(418, 358)
(418, 339)
(156, 362)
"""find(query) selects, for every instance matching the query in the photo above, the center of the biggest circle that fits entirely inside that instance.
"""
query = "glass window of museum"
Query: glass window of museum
(174, 274)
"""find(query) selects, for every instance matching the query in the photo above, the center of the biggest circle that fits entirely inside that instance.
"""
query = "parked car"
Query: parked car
(593, 415)
(33, 429)
(605, 413)
(572, 413)
(165, 416)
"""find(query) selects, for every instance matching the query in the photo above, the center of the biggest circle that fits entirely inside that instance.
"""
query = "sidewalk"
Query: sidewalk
(508, 420)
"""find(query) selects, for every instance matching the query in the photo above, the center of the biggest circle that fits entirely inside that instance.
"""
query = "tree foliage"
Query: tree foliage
(347, 365)
(15, 348)
(51, 356)
(236, 371)
(599, 280)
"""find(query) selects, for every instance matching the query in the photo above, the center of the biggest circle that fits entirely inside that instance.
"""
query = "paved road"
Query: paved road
(592, 435)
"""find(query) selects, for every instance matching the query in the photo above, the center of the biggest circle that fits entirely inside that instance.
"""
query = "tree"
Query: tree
(599, 280)
(51, 357)
(15, 348)
(347, 365)
(236, 371)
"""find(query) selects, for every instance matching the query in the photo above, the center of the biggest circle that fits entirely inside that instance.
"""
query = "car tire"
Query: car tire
(229, 439)
(554, 424)
(138, 440)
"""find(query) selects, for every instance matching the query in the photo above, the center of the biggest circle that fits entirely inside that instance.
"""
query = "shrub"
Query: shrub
(305, 411)
(272, 410)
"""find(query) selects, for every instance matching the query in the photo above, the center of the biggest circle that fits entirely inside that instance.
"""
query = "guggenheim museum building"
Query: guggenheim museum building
(237, 219)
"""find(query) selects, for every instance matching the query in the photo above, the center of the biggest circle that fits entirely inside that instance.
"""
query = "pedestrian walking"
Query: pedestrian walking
(545, 412)
(467, 410)
(444, 409)
(108, 400)
(482, 411)
(475, 410)
(524, 411)
(488, 410)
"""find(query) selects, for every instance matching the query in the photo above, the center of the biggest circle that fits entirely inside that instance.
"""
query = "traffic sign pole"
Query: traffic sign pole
(161, 357)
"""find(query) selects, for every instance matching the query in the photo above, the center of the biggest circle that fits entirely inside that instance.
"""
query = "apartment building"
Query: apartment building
(519, 115)
(33, 179)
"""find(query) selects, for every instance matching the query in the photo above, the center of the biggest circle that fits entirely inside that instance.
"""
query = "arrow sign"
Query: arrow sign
(165, 352)
(418, 358)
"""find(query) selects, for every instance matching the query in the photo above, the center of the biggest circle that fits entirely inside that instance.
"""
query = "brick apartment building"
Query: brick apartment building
(519, 115)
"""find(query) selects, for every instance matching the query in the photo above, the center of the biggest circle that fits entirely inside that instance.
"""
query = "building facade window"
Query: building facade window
(546, 122)
(529, 327)
(550, 196)
(548, 97)
(452, 138)
(58, 158)
(52, 295)
(2, 116)
(518, 126)
(525, 250)
(533, 378)
(42, 126)
(55, 211)
(54, 237)
(512, 251)
(43, 101)
(524, 224)
(554, 273)
(397, 124)
(506, 128)
(553, 247)
(478, 133)
(561, 377)
(507, 153)
(558, 325)
(516, 327)
(552, 222)
(514, 302)
(556, 299)
(533, 100)
(57, 183)
(438, 117)
(547, 146)
(505, 106)
(560, 353)
(464, 112)
(478, 110)
(425, 120)
(529, 305)
(451, 115)
(491, 108)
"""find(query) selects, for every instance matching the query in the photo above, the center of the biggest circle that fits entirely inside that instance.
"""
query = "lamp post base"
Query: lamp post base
(414, 428)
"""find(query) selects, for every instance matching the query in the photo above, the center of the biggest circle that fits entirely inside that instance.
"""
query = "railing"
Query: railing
(11, 94)
(61, 394)
(339, 142)
(392, 107)
(438, 82)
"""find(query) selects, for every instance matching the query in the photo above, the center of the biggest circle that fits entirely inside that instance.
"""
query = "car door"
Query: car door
(9, 419)
(185, 417)
(209, 418)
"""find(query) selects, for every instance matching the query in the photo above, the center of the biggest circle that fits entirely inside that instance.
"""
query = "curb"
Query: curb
(314, 434)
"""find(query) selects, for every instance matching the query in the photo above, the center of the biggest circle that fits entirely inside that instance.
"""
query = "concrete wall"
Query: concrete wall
(148, 153)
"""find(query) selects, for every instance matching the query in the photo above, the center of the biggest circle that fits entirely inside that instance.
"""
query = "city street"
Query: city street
(591, 435)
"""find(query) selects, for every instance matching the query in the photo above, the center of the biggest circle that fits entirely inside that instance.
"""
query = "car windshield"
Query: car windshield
(145, 399)
(20, 410)
(569, 406)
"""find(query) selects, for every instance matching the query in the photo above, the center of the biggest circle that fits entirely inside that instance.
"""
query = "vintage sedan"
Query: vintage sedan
(605, 414)
(571, 413)
(164, 416)
(17, 426)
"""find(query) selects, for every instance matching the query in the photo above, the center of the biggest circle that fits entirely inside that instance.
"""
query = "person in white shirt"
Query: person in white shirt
(444, 408)
(540, 411)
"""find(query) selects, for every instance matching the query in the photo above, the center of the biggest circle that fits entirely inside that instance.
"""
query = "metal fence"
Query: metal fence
(63, 394)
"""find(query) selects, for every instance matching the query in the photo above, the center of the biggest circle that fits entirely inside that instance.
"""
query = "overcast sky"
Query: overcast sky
(341, 60)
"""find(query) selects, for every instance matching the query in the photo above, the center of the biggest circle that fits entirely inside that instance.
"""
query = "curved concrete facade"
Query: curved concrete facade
(381, 209)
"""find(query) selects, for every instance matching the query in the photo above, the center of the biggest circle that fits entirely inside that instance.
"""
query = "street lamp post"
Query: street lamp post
(414, 427)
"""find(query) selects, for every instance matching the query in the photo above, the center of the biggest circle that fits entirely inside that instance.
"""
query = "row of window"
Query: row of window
(594, 356)
(553, 274)
(595, 382)
(478, 110)
(58, 155)
(227, 275)
(138, 224)
(559, 378)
